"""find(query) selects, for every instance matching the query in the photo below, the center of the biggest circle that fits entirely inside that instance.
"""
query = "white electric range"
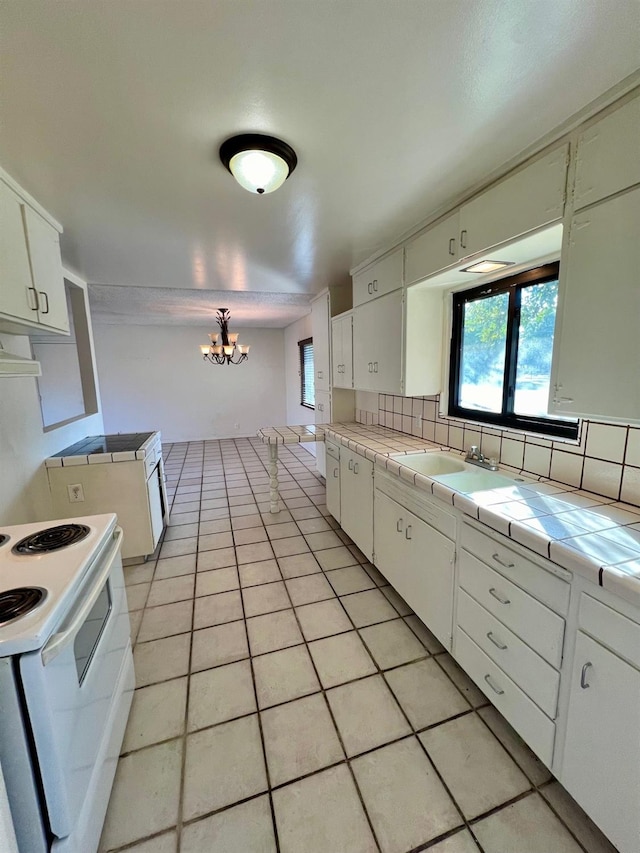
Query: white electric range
(66, 678)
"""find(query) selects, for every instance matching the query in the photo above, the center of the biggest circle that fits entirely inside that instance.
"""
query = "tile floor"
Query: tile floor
(288, 699)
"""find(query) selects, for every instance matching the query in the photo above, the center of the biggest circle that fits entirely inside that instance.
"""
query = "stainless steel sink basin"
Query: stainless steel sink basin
(432, 464)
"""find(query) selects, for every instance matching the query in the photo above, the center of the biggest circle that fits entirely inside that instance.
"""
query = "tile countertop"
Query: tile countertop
(580, 531)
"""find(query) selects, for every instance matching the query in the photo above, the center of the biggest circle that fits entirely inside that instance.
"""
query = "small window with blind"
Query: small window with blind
(307, 387)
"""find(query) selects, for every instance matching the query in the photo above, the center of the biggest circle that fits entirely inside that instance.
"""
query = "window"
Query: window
(307, 387)
(501, 351)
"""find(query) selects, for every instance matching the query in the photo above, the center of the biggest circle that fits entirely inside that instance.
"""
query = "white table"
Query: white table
(273, 436)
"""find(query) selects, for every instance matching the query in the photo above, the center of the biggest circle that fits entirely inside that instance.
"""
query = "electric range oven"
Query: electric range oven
(66, 678)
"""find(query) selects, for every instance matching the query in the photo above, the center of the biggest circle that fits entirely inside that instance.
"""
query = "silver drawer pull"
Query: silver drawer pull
(495, 642)
(498, 597)
(491, 684)
(350, 466)
(336, 473)
(583, 675)
(355, 468)
(500, 562)
(399, 525)
(407, 533)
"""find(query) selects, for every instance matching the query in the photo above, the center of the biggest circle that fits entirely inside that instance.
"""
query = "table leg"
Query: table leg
(273, 478)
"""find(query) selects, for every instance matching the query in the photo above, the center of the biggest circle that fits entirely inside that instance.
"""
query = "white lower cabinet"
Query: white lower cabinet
(356, 499)
(333, 479)
(418, 561)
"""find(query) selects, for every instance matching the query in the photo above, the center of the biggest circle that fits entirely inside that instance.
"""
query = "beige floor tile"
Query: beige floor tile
(335, 558)
(150, 778)
(322, 619)
(234, 750)
(165, 843)
(137, 595)
(461, 842)
(139, 574)
(214, 541)
(284, 675)
(170, 590)
(212, 610)
(180, 518)
(265, 599)
(299, 737)
(322, 541)
(135, 618)
(350, 579)
(341, 658)
(221, 525)
(273, 631)
(301, 811)
(462, 681)
(214, 514)
(220, 694)
(289, 547)
(313, 525)
(298, 565)
(396, 601)
(250, 535)
(161, 660)
(218, 559)
(165, 620)
(582, 826)
(178, 547)
(366, 608)
(378, 578)
(361, 729)
(254, 574)
(217, 580)
(173, 567)
(182, 531)
(254, 553)
(157, 714)
(425, 693)
(407, 802)
(477, 770)
(246, 521)
(305, 512)
(425, 636)
(218, 645)
(247, 828)
(392, 643)
(529, 763)
(309, 589)
(283, 531)
(528, 826)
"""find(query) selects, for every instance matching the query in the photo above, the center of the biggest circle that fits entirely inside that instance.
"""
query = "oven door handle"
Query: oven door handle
(58, 642)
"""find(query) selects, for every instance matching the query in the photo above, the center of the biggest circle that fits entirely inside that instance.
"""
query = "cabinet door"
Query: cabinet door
(433, 250)
(597, 345)
(336, 352)
(323, 416)
(601, 764)
(356, 500)
(320, 331)
(333, 486)
(531, 197)
(390, 545)
(347, 352)
(46, 266)
(377, 344)
(18, 294)
(607, 158)
(364, 330)
(381, 277)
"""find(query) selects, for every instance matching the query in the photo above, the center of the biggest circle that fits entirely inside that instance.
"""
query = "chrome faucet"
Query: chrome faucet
(476, 457)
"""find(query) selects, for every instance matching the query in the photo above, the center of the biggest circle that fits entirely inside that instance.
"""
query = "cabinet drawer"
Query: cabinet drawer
(543, 583)
(417, 503)
(378, 279)
(529, 671)
(612, 629)
(536, 729)
(534, 623)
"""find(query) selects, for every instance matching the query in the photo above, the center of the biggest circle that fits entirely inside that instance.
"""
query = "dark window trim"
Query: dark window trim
(507, 419)
(301, 346)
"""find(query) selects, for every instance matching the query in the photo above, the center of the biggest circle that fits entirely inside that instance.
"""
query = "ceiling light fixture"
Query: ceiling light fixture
(259, 163)
(488, 266)
(216, 353)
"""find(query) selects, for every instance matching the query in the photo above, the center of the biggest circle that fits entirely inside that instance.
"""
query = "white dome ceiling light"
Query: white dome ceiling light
(259, 163)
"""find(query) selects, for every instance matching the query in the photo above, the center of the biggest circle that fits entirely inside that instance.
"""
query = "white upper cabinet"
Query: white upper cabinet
(608, 155)
(434, 249)
(379, 278)
(342, 351)
(527, 199)
(596, 354)
(32, 294)
(320, 331)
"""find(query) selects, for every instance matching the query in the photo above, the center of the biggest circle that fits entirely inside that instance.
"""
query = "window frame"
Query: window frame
(507, 418)
(303, 388)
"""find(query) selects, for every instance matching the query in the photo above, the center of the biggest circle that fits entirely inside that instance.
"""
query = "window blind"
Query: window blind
(307, 385)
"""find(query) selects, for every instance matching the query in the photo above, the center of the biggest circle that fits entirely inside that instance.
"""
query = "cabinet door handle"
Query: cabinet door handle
(399, 525)
(493, 686)
(370, 367)
(370, 287)
(463, 238)
(35, 293)
(500, 562)
(46, 299)
(498, 597)
(583, 675)
(355, 468)
(319, 374)
(452, 243)
(495, 642)
(350, 466)
(407, 533)
(336, 473)
(375, 366)
(375, 285)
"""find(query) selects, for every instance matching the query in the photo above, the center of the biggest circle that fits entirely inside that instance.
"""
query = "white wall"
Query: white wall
(298, 331)
(24, 488)
(153, 377)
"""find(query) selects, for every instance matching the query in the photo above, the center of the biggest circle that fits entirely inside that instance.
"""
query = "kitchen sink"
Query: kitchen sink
(432, 464)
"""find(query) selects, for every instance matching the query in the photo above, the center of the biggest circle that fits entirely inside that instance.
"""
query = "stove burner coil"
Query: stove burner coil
(52, 539)
(3, 538)
(17, 602)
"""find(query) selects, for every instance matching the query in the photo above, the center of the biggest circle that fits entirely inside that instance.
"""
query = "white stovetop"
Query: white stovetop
(59, 573)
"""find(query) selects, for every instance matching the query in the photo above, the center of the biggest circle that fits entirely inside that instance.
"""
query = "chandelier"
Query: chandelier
(224, 353)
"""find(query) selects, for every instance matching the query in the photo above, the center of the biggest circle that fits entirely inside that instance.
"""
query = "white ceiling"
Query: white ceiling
(112, 114)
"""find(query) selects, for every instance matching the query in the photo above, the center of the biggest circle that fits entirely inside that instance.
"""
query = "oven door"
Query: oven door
(71, 688)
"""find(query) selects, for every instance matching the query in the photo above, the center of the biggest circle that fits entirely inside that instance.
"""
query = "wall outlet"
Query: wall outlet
(76, 493)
